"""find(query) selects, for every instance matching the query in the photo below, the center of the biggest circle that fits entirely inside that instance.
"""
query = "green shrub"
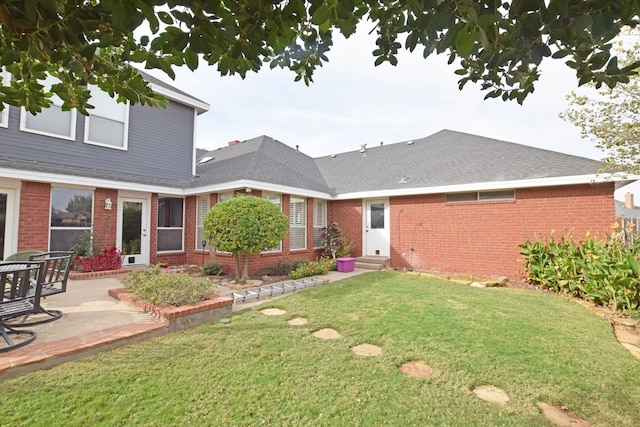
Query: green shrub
(604, 272)
(212, 268)
(309, 269)
(280, 268)
(159, 288)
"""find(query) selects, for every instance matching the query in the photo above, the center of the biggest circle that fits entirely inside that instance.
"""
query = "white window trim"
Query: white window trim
(276, 199)
(302, 225)
(4, 114)
(172, 251)
(125, 134)
(24, 128)
(319, 221)
(200, 220)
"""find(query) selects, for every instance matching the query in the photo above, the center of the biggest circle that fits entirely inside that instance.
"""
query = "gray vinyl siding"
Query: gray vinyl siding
(160, 144)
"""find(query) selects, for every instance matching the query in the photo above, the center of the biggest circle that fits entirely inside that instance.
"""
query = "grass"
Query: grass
(258, 370)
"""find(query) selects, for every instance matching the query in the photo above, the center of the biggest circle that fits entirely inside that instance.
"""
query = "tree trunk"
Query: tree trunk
(245, 269)
(237, 257)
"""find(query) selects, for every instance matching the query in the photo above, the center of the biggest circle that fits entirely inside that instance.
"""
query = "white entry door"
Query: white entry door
(376, 228)
(133, 230)
(7, 222)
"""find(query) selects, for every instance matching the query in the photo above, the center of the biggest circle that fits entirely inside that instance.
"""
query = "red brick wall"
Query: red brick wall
(105, 221)
(35, 205)
(348, 215)
(482, 237)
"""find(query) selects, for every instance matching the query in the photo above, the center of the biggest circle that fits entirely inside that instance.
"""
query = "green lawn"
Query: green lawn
(258, 370)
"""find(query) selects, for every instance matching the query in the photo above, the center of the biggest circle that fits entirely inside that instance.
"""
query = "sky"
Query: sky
(352, 102)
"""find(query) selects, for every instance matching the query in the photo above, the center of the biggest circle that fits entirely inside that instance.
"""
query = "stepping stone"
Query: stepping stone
(273, 312)
(561, 416)
(491, 394)
(326, 334)
(366, 350)
(298, 321)
(416, 369)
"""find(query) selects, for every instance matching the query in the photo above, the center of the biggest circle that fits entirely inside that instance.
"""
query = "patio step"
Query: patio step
(277, 289)
(372, 262)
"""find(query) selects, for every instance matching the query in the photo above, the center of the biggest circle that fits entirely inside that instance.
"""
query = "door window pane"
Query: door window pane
(376, 212)
(131, 228)
(3, 222)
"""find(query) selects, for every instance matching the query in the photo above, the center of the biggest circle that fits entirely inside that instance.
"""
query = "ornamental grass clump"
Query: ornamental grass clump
(159, 288)
(605, 272)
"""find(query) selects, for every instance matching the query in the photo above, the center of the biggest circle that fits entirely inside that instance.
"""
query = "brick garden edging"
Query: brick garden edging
(183, 317)
(77, 275)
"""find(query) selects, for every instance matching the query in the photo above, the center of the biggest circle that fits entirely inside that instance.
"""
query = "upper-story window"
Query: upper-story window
(50, 121)
(4, 114)
(108, 122)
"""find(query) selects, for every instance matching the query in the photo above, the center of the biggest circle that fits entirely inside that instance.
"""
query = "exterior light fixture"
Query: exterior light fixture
(107, 204)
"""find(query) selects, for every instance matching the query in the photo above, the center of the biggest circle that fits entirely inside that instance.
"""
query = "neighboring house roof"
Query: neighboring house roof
(622, 211)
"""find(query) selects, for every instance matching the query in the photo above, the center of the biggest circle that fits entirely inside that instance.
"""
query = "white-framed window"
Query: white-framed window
(225, 196)
(297, 223)
(203, 206)
(50, 121)
(71, 217)
(475, 196)
(108, 123)
(276, 199)
(319, 221)
(170, 224)
(4, 114)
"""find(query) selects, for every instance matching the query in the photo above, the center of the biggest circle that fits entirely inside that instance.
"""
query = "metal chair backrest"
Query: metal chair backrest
(57, 265)
(20, 281)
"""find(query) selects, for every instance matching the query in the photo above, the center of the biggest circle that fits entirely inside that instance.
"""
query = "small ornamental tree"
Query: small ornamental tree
(331, 239)
(245, 225)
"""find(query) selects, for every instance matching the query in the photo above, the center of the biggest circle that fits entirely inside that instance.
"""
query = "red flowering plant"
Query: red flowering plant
(108, 259)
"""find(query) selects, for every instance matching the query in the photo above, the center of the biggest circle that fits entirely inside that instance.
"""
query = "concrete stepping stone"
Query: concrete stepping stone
(416, 369)
(366, 350)
(272, 312)
(491, 394)
(298, 321)
(560, 416)
(326, 334)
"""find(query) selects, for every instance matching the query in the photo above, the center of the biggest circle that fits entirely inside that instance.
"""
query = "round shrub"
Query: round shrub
(158, 288)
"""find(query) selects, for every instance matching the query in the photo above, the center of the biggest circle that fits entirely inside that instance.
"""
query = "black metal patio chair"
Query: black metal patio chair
(21, 288)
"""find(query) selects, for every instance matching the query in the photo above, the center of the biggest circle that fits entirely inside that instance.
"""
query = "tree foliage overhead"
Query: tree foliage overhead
(497, 44)
(611, 118)
(245, 225)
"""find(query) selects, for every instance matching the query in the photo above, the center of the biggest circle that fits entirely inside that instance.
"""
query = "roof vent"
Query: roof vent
(403, 179)
(234, 142)
(206, 159)
(363, 148)
(410, 142)
(333, 156)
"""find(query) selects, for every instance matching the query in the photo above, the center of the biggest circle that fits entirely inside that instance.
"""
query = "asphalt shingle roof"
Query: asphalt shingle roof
(446, 158)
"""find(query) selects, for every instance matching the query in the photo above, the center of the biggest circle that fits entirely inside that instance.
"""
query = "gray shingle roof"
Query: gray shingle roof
(622, 211)
(446, 158)
(260, 159)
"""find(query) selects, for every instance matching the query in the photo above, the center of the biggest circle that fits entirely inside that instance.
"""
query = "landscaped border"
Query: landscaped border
(78, 275)
(178, 318)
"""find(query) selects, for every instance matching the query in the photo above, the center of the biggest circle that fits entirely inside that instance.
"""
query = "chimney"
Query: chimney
(234, 142)
(628, 201)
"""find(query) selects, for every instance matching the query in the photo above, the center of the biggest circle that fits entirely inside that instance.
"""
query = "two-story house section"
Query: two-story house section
(63, 174)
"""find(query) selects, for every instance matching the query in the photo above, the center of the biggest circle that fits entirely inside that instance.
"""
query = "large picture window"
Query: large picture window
(71, 216)
(319, 221)
(204, 204)
(170, 224)
(297, 224)
(108, 122)
(50, 121)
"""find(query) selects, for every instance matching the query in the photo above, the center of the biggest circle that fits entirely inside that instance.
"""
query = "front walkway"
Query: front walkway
(93, 322)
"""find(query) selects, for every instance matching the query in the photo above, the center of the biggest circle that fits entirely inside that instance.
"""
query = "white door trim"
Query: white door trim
(376, 241)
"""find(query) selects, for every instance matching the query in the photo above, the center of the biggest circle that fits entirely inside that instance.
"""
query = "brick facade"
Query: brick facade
(482, 237)
(33, 226)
